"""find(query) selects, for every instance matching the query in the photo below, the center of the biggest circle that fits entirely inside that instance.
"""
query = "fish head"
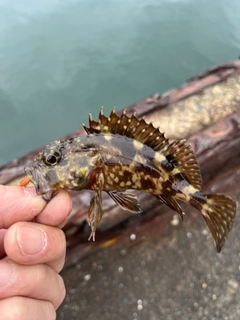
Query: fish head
(61, 165)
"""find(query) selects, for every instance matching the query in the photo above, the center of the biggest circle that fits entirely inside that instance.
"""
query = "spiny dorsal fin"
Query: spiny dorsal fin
(181, 155)
(130, 127)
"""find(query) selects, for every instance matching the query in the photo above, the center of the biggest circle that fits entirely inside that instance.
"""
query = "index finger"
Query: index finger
(19, 204)
(23, 204)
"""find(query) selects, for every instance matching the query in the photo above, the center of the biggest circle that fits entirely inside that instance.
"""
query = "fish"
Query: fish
(123, 153)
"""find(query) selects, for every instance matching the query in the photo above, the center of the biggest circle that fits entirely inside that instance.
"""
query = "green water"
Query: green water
(60, 60)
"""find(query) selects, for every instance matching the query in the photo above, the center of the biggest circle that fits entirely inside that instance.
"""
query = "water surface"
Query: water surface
(60, 60)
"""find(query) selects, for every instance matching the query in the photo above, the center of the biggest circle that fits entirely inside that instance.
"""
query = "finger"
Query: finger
(57, 210)
(2, 234)
(38, 282)
(32, 243)
(19, 204)
(27, 309)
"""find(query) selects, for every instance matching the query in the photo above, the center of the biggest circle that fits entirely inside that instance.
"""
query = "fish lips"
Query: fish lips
(40, 182)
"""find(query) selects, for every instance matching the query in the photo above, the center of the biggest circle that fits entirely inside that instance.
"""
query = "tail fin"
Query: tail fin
(219, 212)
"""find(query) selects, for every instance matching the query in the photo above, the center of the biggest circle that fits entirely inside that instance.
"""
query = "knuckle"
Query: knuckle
(58, 244)
(62, 293)
(54, 289)
(27, 309)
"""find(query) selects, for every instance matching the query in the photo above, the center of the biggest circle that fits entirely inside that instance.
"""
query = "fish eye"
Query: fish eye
(52, 158)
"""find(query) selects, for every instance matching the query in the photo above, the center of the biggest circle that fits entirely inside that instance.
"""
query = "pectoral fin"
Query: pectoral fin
(95, 214)
(171, 203)
(126, 200)
(95, 209)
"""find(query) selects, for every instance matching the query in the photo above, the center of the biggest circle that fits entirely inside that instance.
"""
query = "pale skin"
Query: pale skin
(32, 253)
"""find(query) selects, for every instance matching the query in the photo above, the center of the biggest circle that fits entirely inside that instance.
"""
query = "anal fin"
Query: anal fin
(171, 203)
(126, 200)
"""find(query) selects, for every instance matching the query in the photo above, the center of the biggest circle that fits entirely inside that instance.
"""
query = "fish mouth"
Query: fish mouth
(40, 182)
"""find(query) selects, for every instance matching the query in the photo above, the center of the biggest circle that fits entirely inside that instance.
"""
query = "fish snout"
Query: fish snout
(38, 179)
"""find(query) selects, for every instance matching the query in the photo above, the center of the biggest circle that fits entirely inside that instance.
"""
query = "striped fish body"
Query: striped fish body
(121, 153)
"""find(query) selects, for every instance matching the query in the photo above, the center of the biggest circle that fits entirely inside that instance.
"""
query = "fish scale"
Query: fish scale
(121, 153)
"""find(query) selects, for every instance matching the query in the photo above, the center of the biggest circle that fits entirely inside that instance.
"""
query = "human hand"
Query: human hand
(32, 253)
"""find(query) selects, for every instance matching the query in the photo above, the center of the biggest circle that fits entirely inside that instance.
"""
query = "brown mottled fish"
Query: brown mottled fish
(121, 153)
